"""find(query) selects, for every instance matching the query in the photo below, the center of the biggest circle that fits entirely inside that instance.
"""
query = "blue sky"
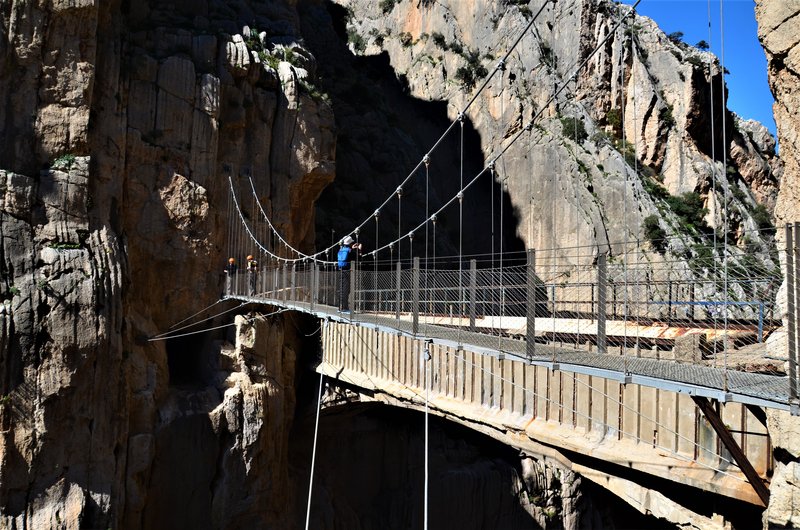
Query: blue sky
(749, 95)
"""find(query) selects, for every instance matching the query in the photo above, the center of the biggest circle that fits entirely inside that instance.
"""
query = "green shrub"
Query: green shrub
(689, 208)
(574, 129)
(676, 37)
(438, 40)
(695, 60)
(387, 5)
(406, 39)
(654, 233)
(665, 116)
(472, 72)
(548, 56)
(63, 162)
(614, 118)
(763, 219)
(355, 38)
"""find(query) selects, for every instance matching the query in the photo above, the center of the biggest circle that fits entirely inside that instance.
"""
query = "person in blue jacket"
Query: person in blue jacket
(344, 258)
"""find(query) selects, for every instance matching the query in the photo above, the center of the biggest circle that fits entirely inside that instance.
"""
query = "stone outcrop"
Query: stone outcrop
(120, 129)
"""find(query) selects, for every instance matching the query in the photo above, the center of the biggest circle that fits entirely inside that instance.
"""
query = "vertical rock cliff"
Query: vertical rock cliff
(779, 33)
(121, 123)
(621, 140)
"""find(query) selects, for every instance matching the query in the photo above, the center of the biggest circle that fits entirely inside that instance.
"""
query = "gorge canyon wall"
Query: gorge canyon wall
(122, 122)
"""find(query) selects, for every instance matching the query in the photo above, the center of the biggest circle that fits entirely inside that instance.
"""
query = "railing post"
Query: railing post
(415, 296)
(314, 284)
(791, 308)
(473, 293)
(293, 283)
(530, 330)
(602, 279)
(284, 281)
(353, 295)
(398, 292)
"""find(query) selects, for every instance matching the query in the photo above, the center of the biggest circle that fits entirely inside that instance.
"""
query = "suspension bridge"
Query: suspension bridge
(615, 363)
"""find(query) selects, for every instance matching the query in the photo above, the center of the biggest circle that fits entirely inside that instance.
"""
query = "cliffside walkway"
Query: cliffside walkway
(580, 332)
(573, 403)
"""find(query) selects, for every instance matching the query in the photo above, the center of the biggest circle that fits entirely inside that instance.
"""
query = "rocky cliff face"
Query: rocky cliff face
(121, 122)
(779, 33)
(630, 129)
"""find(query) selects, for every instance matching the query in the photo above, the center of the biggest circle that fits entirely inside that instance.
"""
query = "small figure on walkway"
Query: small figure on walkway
(230, 275)
(252, 275)
(344, 259)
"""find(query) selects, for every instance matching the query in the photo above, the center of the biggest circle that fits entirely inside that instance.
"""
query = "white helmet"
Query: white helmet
(347, 240)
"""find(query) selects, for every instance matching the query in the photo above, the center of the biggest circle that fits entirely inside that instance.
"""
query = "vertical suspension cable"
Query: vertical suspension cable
(625, 209)
(502, 201)
(727, 193)
(494, 273)
(461, 302)
(399, 193)
(577, 202)
(426, 360)
(376, 297)
(715, 272)
(314, 450)
(427, 221)
(636, 175)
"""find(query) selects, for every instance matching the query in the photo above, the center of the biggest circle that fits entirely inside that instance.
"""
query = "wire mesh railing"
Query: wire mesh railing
(687, 309)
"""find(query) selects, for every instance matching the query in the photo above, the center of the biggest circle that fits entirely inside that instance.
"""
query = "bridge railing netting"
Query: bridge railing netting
(692, 309)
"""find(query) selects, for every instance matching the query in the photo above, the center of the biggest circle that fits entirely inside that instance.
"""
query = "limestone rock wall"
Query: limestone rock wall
(779, 33)
(121, 123)
(645, 103)
(778, 24)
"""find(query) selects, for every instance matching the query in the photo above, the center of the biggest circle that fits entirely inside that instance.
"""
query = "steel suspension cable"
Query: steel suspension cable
(314, 449)
(461, 302)
(463, 111)
(727, 194)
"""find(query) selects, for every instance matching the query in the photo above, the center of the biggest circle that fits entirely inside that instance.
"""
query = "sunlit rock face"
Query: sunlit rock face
(779, 33)
(122, 123)
(650, 109)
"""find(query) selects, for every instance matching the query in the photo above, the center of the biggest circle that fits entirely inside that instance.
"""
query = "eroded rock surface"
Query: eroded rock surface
(121, 125)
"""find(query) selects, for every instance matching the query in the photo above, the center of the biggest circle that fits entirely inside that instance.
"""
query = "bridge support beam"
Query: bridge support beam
(704, 404)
